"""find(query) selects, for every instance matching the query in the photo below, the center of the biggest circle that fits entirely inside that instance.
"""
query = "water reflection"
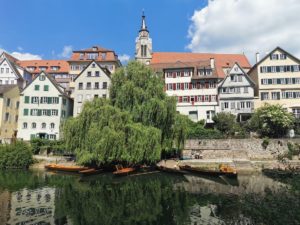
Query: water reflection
(41, 198)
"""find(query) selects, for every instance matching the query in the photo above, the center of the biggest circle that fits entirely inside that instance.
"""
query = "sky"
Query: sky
(51, 29)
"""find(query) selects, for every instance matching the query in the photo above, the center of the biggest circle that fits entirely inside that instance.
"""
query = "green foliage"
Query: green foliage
(55, 146)
(271, 121)
(293, 150)
(227, 124)
(15, 155)
(198, 131)
(134, 126)
(265, 142)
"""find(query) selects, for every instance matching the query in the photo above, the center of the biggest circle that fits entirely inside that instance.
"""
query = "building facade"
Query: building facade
(12, 73)
(9, 112)
(92, 82)
(277, 77)
(143, 44)
(236, 93)
(44, 105)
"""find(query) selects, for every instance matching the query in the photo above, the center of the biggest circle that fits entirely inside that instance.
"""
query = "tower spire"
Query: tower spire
(144, 26)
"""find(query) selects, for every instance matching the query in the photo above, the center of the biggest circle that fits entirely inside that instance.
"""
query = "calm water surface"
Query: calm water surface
(44, 198)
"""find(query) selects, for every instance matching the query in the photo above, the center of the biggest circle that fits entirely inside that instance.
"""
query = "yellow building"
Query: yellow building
(9, 112)
(277, 78)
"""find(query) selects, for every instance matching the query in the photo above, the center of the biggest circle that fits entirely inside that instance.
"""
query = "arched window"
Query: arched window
(24, 125)
(52, 125)
(33, 125)
(44, 125)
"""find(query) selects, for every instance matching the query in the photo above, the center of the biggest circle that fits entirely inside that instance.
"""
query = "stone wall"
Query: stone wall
(236, 148)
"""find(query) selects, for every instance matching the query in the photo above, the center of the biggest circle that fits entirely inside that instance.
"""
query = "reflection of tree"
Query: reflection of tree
(132, 201)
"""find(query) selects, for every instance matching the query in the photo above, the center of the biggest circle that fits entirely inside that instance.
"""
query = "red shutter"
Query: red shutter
(190, 85)
(210, 98)
(182, 74)
(174, 87)
(206, 85)
(202, 98)
(182, 86)
(180, 98)
(196, 98)
(198, 85)
(188, 98)
(174, 75)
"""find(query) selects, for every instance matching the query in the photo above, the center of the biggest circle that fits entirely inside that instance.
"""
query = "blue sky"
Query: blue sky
(44, 27)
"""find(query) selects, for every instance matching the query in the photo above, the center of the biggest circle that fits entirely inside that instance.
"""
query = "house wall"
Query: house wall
(84, 94)
(8, 127)
(7, 75)
(62, 109)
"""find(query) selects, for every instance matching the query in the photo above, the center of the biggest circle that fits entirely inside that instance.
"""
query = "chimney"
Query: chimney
(212, 63)
(257, 57)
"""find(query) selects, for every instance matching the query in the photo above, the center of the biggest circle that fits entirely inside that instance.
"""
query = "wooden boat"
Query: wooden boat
(58, 167)
(170, 170)
(120, 171)
(91, 171)
(223, 170)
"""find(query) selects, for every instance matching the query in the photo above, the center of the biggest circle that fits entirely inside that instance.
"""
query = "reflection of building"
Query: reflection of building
(33, 206)
(4, 206)
(204, 215)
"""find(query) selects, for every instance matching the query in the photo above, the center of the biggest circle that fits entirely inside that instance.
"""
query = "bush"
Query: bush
(38, 145)
(16, 155)
(265, 142)
(198, 131)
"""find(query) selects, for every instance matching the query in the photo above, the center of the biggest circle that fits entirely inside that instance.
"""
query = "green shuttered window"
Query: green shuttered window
(26, 99)
(26, 112)
(46, 87)
(36, 87)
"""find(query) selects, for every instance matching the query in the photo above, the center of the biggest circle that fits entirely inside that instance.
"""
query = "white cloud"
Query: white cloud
(20, 48)
(25, 56)
(124, 58)
(67, 51)
(249, 26)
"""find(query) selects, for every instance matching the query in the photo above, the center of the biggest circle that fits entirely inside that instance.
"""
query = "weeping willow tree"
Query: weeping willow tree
(133, 127)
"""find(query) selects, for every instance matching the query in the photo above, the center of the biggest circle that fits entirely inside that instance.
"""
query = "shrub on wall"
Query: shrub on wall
(15, 155)
(40, 145)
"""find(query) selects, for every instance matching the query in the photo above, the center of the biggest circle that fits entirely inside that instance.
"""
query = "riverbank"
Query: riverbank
(41, 161)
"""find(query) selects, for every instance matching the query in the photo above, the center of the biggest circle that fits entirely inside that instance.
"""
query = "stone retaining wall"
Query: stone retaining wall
(251, 148)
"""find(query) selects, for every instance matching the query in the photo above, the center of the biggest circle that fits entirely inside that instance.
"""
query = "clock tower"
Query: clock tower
(143, 44)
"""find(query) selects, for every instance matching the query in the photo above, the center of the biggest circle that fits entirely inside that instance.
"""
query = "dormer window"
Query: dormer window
(103, 55)
(93, 65)
(54, 68)
(95, 48)
(43, 68)
(31, 68)
(274, 57)
(42, 77)
(81, 56)
(92, 55)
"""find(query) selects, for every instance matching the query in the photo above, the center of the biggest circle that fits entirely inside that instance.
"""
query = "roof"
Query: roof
(97, 47)
(275, 49)
(221, 60)
(53, 81)
(9, 57)
(62, 64)
(5, 88)
(105, 70)
(12, 65)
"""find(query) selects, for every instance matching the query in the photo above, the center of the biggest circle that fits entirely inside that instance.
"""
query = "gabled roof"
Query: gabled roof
(55, 84)
(105, 70)
(62, 64)
(268, 55)
(5, 88)
(97, 47)
(180, 64)
(9, 57)
(245, 74)
(221, 60)
(13, 66)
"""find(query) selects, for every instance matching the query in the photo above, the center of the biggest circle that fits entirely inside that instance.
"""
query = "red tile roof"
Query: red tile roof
(221, 60)
(62, 64)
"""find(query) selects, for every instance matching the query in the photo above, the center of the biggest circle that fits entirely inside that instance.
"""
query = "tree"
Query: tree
(271, 121)
(226, 123)
(133, 127)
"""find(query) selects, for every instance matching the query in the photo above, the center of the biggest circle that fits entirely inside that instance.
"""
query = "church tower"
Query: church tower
(143, 44)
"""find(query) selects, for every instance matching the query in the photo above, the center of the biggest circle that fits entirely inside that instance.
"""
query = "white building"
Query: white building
(11, 72)
(236, 93)
(92, 82)
(43, 107)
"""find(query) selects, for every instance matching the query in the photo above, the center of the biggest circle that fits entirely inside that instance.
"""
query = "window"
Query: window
(17, 104)
(2, 70)
(78, 109)
(226, 105)
(16, 118)
(44, 125)
(55, 100)
(52, 137)
(274, 57)
(296, 112)
(96, 85)
(206, 98)
(245, 89)
(54, 68)
(63, 113)
(104, 85)
(186, 86)
(42, 68)
(264, 95)
(185, 99)
(92, 55)
(97, 73)
(96, 96)
(178, 86)
(79, 98)
(238, 90)
(240, 78)
(44, 112)
(282, 56)
(6, 117)
(34, 112)
(232, 105)
(242, 105)
(52, 125)
(232, 78)
(24, 125)
(46, 87)
(193, 115)
(8, 102)
(81, 56)
(35, 100)
(25, 112)
(36, 87)
(54, 112)
(89, 73)
(88, 97)
(88, 85)
(103, 55)
(275, 95)
(33, 125)
(64, 101)
(248, 105)
(7, 70)
(104, 96)
(80, 86)
(93, 65)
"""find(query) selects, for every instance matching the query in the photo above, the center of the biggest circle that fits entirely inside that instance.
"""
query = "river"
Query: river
(42, 198)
